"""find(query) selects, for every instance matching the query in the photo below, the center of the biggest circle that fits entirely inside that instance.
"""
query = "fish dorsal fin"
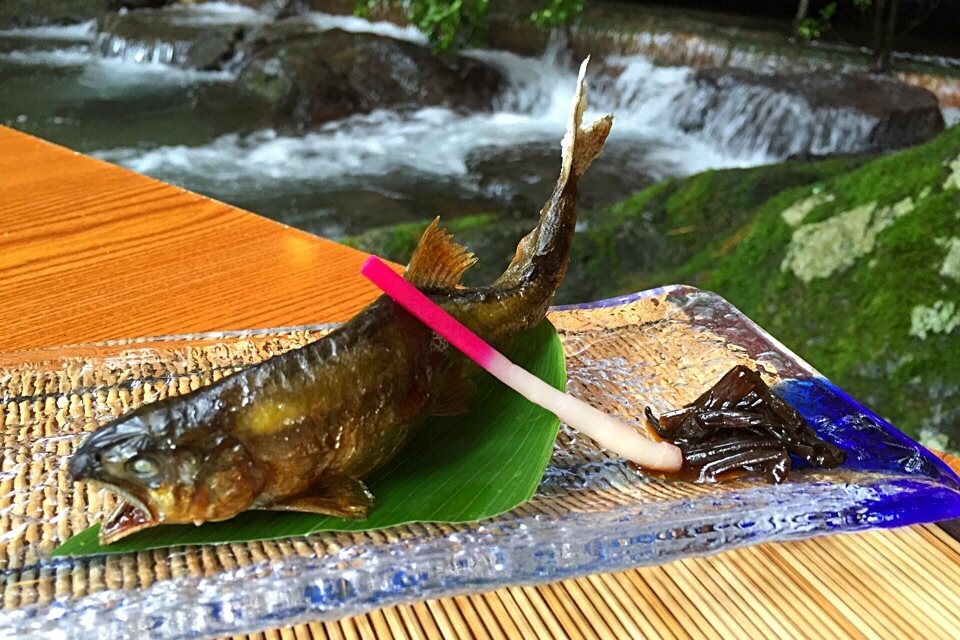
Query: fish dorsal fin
(438, 261)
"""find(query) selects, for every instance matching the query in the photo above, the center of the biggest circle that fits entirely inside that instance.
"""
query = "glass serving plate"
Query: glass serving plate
(591, 513)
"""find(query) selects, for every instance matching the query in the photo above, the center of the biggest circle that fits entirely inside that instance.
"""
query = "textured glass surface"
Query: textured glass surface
(592, 513)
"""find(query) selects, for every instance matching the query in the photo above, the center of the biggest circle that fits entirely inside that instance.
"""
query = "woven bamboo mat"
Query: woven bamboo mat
(900, 583)
(841, 583)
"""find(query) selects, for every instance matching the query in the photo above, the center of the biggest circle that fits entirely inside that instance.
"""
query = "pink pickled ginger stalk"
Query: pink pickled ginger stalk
(604, 429)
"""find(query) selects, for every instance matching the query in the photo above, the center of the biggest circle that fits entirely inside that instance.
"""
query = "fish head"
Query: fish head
(164, 474)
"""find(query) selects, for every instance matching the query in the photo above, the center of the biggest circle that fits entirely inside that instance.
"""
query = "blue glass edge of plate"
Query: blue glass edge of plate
(841, 419)
(328, 594)
(873, 444)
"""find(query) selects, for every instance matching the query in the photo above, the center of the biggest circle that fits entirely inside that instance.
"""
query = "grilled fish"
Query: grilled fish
(301, 430)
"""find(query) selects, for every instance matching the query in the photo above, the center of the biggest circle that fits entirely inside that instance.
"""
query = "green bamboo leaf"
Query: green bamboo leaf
(456, 469)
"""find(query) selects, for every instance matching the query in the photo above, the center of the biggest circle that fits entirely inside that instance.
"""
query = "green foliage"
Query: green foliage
(814, 28)
(456, 469)
(557, 13)
(447, 25)
(453, 24)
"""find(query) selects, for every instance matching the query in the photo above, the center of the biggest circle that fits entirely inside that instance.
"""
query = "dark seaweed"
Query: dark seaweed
(741, 425)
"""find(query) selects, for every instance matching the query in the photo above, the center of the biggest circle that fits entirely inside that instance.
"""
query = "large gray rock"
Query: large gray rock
(31, 13)
(311, 77)
(810, 113)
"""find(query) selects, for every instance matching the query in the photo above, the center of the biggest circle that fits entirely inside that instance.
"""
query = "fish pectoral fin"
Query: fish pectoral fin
(453, 399)
(438, 261)
(338, 496)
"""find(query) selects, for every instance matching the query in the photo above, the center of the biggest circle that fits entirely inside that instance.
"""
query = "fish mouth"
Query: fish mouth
(130, 515)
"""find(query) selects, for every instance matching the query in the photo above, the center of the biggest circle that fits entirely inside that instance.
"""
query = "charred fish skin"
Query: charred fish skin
(340, 407)
(293, 430)
(301, 430)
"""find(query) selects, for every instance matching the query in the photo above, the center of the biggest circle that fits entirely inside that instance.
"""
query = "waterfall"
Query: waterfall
(677, 48)
(750, 120)
(118, 47)
(170, 35)
(651, 85)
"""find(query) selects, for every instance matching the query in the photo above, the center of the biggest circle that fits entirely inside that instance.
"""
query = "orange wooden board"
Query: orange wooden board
(90, 251)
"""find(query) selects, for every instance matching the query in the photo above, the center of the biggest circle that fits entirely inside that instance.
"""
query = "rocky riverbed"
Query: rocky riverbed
(336, 124)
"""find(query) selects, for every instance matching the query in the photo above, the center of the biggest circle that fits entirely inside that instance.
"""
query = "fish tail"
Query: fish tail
(542, 255)
(581, 145)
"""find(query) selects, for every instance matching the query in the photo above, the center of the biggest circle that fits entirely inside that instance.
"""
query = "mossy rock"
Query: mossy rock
(865, 285)
(630, 242)
(491, 238)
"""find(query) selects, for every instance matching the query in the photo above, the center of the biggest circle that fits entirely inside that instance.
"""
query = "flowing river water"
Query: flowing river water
(134, 105)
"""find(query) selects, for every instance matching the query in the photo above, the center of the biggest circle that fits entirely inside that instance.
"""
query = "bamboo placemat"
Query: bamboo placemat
(902, 583)
(838, 582)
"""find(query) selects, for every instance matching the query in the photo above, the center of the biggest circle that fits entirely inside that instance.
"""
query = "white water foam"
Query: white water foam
(116, 72)
(951, 115)
(214, 13)
(226, 14)
(440, 141)
(356, 24)
(70, 57)
(429, 141)
(749, 120)
(80, 31)
(149, 52)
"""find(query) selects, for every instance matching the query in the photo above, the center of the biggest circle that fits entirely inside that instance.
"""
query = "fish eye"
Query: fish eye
(144, 466)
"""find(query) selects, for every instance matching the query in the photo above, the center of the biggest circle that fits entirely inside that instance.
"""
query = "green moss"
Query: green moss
(394, 243)
(855, 324)
(398, 241)
(647, 238)
(632, 244)
(493, 240)
(625, 246)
